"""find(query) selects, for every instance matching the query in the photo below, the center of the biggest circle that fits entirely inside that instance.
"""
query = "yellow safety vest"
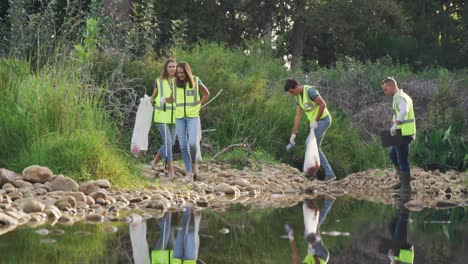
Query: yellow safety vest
(408, 126)
(406, 256)
(161, 256)
(187, 100)
(166, 257)
(161, 115)
(309, 259)
(310, 107)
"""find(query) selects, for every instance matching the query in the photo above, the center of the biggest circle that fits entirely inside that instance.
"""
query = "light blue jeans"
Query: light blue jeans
(166, 237)
(187, 241)
(168, 135)
(322, 126)
(188, 130)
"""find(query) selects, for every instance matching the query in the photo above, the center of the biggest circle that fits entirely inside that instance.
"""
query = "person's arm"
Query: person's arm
(295, 255)
(205, 92)
(170, 99)
(297, 120)
(402, 110)
(155, 92)
(322, 105)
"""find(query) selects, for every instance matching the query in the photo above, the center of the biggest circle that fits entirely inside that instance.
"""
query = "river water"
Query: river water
(341, 230)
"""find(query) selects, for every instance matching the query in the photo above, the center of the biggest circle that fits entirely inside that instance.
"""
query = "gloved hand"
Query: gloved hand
(292, 139)
(290, 231)
(292, 142)
(313, 125)
(393, 129)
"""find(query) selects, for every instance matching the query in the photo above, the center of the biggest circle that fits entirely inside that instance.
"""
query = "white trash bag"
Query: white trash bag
(312, 159)
(142, 126)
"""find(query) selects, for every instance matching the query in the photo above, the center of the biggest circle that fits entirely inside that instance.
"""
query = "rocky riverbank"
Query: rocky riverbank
(37, 196)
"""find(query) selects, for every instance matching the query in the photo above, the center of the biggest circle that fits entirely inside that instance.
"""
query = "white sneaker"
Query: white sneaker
(188, 177)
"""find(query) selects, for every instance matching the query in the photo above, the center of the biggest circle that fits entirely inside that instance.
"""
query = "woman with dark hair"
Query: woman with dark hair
(164, 114)
(188, 104)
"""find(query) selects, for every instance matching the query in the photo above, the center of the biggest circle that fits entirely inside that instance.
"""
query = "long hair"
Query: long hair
(188, 75)
(165, 73)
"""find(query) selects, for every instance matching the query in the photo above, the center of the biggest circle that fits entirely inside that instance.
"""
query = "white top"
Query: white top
(402, 108)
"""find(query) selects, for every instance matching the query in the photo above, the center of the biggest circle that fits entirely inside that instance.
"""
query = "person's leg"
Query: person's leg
(394, 157)
(159, 154)
(321, 251)
(327, 205)
(404, 174)
(193, 128)
(192, 240)
(171, 135)
(403, 156)
(181, 127)
(322, 127)
(179, 246)
(164, 224)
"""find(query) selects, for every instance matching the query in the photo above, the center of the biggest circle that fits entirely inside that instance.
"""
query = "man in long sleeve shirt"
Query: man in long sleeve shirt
(403, 120)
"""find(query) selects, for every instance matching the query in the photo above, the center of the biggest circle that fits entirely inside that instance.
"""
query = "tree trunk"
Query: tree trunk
(119, 12)
(298, 40)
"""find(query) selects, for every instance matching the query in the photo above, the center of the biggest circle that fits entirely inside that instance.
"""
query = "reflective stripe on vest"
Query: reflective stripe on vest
(161, 256)
(408, 126)
(309, 259)
(187, 100)
(165, 89)
(310, 107)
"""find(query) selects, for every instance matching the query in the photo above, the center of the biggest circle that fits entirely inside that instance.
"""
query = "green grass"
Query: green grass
(54, 120)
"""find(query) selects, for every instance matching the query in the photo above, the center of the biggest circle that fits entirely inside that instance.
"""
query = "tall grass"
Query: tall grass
(52, 119)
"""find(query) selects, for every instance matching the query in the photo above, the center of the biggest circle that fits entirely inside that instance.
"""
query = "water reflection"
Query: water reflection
(183, 249)
(325, 230)
(399, 249)
(314, 217)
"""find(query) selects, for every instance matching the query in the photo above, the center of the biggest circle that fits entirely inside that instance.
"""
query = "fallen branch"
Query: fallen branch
(244, 145)
(213, 98)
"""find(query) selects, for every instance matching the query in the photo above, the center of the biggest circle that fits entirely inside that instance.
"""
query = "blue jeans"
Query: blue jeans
(166, 237)
(168, 135)
(188, 130)
(322, 126)
(187, 241)
(399, 154)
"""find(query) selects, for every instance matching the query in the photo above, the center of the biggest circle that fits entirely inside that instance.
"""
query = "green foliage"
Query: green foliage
(54, 120)
(85, 51)
(441, 142)
(441, 149)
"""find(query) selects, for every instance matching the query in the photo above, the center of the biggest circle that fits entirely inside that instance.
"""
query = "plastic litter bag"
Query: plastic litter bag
(311, 160)
(142, 126)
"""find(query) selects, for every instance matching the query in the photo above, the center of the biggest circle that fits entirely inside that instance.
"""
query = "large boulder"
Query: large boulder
(30, 205)
(88, 187)
(62, 183)
(7, 176)
(36, 173)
